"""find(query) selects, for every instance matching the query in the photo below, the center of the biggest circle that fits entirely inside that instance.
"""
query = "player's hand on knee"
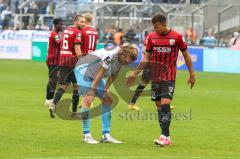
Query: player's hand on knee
(89, 97)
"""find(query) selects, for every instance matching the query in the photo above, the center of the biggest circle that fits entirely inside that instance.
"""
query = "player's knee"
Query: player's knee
(107, 101)
(75, 86)
(75, 92)
(64, 87)
(85, 104)
(144, 83)
(52, 82)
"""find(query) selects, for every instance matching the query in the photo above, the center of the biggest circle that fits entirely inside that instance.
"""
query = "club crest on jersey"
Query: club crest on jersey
(108, 60)
(57, 37)
(172, 42)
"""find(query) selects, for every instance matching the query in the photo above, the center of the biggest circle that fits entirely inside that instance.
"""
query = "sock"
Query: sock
(85, 116)
(164, 117)
(50, 91)
(58, 95)
(137, 93)
(106, 118)
(75, 100)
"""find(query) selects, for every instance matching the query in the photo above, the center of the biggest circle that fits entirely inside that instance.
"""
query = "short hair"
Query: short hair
(76, 18)
(159, 18)
(56, 21)
(131, 50)
(88, 17)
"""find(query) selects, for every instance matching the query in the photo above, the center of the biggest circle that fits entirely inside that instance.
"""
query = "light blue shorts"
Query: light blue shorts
(85, 84)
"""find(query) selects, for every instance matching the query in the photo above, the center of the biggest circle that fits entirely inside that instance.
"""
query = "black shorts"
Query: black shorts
(53, 71)
(67, 76)
(147, 75)
(163, 89)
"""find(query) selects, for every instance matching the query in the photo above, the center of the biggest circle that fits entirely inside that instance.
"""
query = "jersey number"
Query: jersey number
(91, 42)
(65, 42)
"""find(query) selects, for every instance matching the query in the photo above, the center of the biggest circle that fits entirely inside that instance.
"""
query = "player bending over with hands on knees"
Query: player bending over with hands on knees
(90, 72)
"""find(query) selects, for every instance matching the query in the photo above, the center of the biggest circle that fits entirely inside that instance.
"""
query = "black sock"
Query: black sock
(50, 91)
(164, 117)
(137, 93)
(58, 95)
(75, 100)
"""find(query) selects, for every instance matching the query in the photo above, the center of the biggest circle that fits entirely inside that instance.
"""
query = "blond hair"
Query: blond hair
(130, 50)
(88, 17)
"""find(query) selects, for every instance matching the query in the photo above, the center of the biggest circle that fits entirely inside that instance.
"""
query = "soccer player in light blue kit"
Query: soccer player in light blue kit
(90, 71)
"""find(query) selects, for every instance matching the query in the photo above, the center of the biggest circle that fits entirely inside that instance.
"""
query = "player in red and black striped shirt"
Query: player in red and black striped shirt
(162, 50)
(53, 59)
(69, 53)
(89, 36)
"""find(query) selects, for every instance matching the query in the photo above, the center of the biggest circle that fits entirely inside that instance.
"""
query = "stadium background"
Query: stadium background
(212, 132)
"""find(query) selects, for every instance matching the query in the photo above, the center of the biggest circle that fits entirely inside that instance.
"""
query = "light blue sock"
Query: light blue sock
(85, 115)
(106, 118)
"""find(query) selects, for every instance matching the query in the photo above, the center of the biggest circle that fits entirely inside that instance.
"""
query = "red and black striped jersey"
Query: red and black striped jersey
(53, 49)
(71, 36)
(164, 50)
(89, 40)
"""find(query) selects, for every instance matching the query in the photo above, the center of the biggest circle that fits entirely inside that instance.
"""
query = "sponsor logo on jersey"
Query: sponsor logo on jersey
(162, 49)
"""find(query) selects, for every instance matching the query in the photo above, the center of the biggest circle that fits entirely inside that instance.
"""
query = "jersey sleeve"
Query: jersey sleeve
(78, 38)
(181, 43)
(148, 44)
(107, 62)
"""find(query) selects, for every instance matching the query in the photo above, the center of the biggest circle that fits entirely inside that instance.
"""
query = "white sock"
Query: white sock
(107, 135)
(87, 135)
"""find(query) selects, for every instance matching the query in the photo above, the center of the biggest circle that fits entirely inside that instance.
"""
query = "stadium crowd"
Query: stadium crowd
(16, 15)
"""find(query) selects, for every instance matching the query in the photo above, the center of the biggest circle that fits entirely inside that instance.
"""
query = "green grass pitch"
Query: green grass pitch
(26, 131)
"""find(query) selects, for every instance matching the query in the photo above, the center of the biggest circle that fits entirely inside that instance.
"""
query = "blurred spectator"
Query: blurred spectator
(191, 36)
(130, 36)
(6, 17)
(100, 33)
(209, 40)
(118, 37)
(50, 8)
(222, 43)
(202, 39)
(138, 36)
(106, 33)
(233, 40)
(2, 5)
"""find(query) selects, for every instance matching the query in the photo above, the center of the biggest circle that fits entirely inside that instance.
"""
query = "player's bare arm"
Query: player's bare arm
(110, 80)
(78, 50)
(107, 95)
(188, 62)
(90, 95)
(132, 77)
